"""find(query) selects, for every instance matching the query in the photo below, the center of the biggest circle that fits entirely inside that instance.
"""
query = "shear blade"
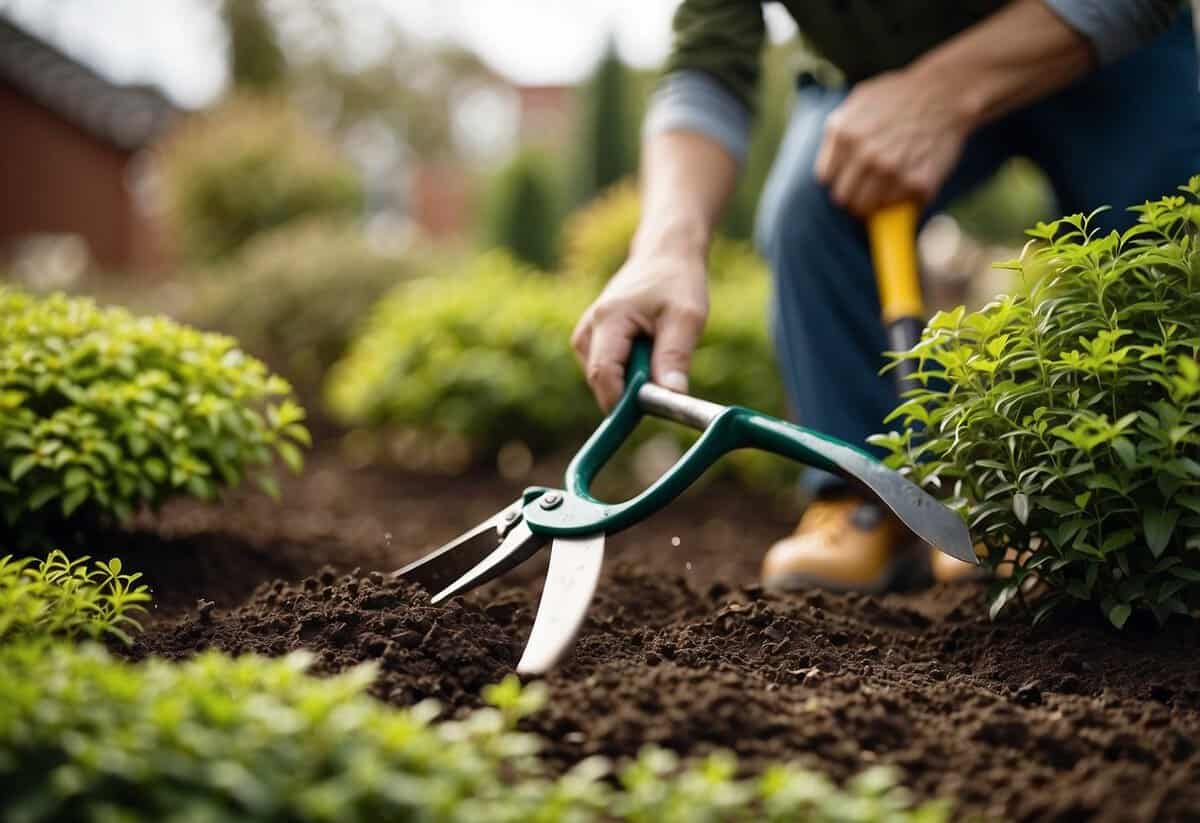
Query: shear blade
(437, 569)
(518, 546)
(570, 583)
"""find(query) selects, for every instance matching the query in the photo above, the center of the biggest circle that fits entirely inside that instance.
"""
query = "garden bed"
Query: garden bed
(1067, 721)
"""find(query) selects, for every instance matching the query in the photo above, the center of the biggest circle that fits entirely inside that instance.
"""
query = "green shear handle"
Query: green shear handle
(724, 428)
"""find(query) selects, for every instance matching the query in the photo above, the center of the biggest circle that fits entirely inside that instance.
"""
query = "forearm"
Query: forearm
(686, 180)
(1017, 56)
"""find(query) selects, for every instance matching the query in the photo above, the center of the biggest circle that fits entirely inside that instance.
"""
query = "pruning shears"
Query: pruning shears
(575, 524)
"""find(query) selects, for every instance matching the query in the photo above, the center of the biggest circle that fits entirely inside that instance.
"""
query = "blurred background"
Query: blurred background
(402, 205)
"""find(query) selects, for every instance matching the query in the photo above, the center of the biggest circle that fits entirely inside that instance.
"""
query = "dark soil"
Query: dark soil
(1068, 721)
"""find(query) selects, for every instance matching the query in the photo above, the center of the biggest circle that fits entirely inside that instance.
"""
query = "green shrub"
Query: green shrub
(485, 354)
(1069, 422)
(101, 412)
(598, 236)
(297, 294)
(522, 213)
(250, 165)
(88, 738)
(59, 597)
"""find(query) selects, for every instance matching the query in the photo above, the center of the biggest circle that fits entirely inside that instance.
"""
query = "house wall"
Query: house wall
(55, 178)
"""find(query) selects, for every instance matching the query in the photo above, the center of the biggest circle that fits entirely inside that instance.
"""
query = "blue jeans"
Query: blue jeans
(1127, 133)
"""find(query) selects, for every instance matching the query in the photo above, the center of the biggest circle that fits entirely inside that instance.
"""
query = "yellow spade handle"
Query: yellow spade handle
(893, 234)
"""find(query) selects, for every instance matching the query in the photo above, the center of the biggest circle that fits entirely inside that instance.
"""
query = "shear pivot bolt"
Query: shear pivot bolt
(551, 501)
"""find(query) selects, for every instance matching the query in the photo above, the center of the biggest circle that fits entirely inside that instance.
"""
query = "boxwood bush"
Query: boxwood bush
(249, 165)
(102, 412)
(1066, 422)
(295, 295)
(485, 354)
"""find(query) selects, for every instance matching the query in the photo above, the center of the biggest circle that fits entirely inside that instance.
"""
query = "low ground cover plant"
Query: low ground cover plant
(85, 736)
(102, 412)
(1066, 423)
(56, 597)
(484, 353)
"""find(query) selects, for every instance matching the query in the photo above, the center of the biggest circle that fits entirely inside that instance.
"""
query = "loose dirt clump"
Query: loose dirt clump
(423, 651)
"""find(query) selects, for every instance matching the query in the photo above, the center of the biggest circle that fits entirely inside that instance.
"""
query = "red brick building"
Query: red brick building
(71, 143)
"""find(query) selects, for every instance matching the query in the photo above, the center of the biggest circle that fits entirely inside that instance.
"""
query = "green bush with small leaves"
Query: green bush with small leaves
(102, 412)
(85, 737)
(296, 295)
(485, 354)
(1067, 422)
(249, 165)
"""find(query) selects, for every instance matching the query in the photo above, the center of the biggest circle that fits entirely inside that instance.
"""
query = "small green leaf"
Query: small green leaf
(21, 466)
(1020, 505)
(268, 484)
(1158, 524)
(291, 455)
(74, 500)
(1118, 614)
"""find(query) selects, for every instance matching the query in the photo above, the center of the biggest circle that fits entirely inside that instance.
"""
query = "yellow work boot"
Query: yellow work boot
(845, 544)
(947, 569)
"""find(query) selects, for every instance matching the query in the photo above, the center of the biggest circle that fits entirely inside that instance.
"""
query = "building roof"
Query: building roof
(128, 117)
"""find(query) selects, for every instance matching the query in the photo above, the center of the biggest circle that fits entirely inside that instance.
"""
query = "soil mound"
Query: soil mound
(1065, 722)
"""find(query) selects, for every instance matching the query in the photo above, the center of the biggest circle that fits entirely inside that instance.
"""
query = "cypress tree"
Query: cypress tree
(522, 213)
(607, 146)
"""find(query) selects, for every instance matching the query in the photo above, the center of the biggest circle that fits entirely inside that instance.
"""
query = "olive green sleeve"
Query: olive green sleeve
(723, 39)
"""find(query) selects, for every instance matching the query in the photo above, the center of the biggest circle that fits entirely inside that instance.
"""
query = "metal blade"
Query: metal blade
(928, 519)
(570, 583)
(518, 546)
(925, 516)
(441, 566)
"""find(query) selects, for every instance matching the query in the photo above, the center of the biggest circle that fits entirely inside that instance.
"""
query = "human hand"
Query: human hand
(663, 295)
(895, 137)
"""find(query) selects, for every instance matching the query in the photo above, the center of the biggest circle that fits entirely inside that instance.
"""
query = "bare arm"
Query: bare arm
(897, 136)
(686, 180)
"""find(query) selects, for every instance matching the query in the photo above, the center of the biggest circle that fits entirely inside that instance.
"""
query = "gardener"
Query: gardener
(1102, 94)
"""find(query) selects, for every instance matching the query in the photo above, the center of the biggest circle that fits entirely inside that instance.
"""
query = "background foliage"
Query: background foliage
(524, 209)
(484, 353)
(295, 295)
(251, 164)
(102, 412)
(609, 116)
(1067, 422)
